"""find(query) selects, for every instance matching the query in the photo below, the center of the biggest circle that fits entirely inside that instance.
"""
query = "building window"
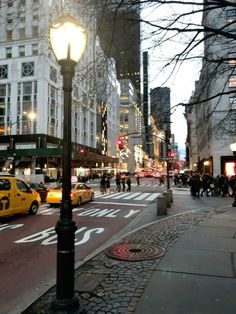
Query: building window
(8, 52)
(9, 18)
(22, 3)
(231, 15)
(232, 59)
(53, 74)
(9, 35)
(22, 33)
(3, 72)
(22, 19)
(10, 4)
(27, 69)
(21, 51)
(35, 49)
(232, 81)
(232, 103)
(35, 31)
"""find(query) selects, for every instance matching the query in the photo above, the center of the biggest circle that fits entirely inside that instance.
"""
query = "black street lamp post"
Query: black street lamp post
(233, 149)
(68, 40)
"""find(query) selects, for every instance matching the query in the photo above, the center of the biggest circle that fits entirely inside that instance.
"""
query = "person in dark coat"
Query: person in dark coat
(195, 184)
(103, 185)
(118, 185)
(129, 184)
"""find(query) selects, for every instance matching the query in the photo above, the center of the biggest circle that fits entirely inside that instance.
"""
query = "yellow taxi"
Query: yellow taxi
(80, 193)
(16, 196)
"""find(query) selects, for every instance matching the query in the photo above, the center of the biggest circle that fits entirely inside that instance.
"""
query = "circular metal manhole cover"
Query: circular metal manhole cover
(134, 252)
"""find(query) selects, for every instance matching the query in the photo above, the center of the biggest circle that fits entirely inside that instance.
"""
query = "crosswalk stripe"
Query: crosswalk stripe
(132, 195)
(142, 196)
(121, 195)
(109, 195)
(152, 197)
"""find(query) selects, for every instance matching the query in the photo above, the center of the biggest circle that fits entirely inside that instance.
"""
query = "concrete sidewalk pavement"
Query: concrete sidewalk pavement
(196, 274)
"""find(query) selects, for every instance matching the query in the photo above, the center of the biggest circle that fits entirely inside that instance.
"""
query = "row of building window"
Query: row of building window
(21, 3)
(21, 51)
(22, 33)
(27, 69)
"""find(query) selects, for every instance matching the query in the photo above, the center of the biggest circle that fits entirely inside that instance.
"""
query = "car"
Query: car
(16, 196)
(80, 193)
(40, 188)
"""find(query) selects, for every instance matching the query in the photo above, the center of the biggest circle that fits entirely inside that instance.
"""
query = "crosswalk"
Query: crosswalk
(134, 196)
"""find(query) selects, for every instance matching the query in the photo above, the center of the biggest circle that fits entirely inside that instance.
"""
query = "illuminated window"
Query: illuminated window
(231, 15)
(9, 35)
(232, 81)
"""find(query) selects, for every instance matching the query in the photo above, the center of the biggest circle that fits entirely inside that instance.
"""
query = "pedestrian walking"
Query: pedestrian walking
(107, 184)
(138, 179)
(118, 185)
(129, 184)
(103, 185)
(123, 183)
(195, 184)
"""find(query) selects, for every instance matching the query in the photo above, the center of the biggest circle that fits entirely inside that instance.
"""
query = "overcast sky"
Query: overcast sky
(181, 82)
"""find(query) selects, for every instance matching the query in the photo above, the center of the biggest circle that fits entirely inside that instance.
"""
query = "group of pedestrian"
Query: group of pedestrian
(122, 181)
(207, 185)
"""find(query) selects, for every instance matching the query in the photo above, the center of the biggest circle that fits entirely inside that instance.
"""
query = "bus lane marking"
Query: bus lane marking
(7, 226)
(108, 212)
(49, 236)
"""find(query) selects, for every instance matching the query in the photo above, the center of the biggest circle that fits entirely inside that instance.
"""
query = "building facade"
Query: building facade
(213, 113)
(131, 156)
(30, 81)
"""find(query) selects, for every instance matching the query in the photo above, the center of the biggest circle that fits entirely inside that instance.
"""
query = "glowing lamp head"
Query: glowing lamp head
(67, 38)
(233, 147)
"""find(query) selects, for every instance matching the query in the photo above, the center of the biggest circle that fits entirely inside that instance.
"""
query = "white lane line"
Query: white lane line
(142, 196)
(152, 197)
(120, 204)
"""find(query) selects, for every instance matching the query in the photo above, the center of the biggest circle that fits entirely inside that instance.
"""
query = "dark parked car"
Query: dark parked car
(40, 188)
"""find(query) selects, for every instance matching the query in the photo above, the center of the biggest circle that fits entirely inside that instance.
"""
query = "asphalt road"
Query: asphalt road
(28, 243)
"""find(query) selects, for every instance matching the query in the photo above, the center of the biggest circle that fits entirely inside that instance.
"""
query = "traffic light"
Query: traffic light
(121, 143)
(171, 154)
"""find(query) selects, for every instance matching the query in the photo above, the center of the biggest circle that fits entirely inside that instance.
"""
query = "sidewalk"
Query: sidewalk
(197, 273)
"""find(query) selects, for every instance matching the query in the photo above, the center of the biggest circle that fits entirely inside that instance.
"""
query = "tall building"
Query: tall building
(160, 112)
(214, 114)
(119, 30)
(131, 156)
(30, 81)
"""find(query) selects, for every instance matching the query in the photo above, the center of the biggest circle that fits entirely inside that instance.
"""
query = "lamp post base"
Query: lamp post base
(65, 304)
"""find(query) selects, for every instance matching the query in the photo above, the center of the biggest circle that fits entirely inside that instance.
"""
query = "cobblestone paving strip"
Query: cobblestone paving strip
(116, 286)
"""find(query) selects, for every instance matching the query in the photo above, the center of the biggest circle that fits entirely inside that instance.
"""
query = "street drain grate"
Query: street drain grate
(134, 252)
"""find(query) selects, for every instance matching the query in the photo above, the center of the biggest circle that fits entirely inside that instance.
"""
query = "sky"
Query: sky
(182, 82)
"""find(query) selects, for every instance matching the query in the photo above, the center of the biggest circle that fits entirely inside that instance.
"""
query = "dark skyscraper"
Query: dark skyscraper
(119, 32)
(160, 106)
